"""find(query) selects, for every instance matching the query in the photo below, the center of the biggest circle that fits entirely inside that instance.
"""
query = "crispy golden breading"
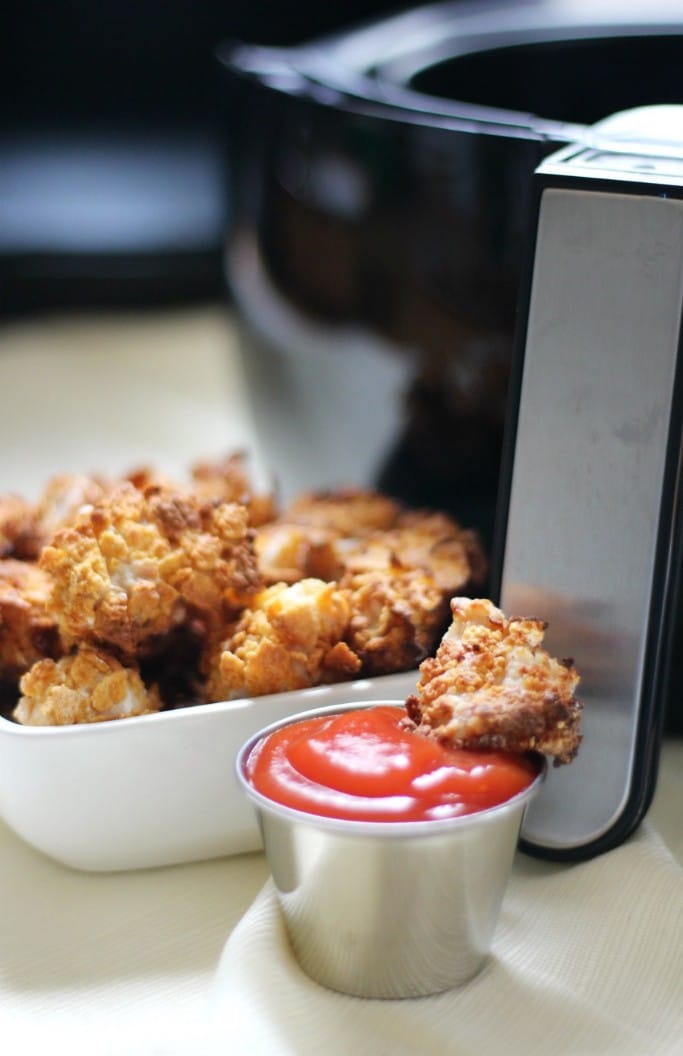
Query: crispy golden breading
(213, 482)
(89, 686)
(26, 527)
(428, 542)
(27, 632)
(290, 638)
(63, 499)
(453, 554)
(425, 541)
(399, 580)
(212, 563)
(228, 481)
(313, 536)
(107, 574)
(397, 615)
(205, 589)
(288, 552)
(492, 685)
(122, 576)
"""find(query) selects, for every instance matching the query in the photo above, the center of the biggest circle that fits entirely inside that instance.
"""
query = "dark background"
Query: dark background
(84, 59)
(112, 187)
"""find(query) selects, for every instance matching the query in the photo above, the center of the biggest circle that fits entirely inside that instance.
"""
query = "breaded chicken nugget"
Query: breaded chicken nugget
(107, 575)
(429, 542)
(290, 638)
(64, 498)
(123, 575)
(397, 615)
(212, 562)
(491, 685)
(27, 632)
(398, 580)
(26, 527)
(288, 552)
(228, 481)
(89, 686)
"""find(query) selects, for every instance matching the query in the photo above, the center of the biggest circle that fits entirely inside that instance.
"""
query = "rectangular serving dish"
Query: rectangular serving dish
(152, 790)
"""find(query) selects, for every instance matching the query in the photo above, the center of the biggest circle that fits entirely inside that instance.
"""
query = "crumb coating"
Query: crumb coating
(492, 685)
(290, 638)
(88, 686)
(27, 632)
(125, 572)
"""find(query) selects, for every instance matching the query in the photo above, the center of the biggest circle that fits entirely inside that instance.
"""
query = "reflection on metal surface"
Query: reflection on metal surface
(589, 473)
(327, 405)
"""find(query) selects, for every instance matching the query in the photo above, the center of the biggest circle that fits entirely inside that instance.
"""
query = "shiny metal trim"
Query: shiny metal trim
(599, 364)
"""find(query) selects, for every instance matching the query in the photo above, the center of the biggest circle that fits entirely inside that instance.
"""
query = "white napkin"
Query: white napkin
(587, 958)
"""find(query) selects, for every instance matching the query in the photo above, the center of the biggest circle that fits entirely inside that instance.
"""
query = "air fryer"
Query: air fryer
(382, 190)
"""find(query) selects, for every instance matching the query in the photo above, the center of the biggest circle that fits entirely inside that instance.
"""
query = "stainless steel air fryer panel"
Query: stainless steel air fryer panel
(591, 530)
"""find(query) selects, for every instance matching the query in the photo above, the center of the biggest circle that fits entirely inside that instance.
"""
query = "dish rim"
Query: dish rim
(9, 727)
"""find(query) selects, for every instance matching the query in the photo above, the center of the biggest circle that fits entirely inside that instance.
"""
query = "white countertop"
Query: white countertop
(124, 963)
(108, 393)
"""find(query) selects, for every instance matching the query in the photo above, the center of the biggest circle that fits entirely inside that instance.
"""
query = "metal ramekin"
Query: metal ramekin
(387, 909)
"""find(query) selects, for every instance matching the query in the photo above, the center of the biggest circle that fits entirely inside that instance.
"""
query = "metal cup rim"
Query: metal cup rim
(375, 829)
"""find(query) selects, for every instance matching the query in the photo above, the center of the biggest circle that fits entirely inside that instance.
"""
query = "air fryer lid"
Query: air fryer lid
(528, 68)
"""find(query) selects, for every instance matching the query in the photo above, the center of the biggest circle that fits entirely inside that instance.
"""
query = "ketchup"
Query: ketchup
(365, 765)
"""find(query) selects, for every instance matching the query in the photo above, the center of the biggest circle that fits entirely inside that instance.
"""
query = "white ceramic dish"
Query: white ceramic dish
(153, 790)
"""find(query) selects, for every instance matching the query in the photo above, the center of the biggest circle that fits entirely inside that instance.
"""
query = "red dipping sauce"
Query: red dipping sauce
(363, 765)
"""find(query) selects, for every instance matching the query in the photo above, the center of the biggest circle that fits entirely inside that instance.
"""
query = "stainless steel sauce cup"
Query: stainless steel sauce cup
(387, 909)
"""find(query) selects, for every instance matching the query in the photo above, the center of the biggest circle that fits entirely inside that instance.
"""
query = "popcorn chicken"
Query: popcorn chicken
(290, 638)
(228, 481)
(88, 686)
(429, 542)
(26, 527)
(288, 552)
(63, 499)
(212, 563)
(125, 573)
(492, 685)
(27, 632)
(203, 588)
(396, 615)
